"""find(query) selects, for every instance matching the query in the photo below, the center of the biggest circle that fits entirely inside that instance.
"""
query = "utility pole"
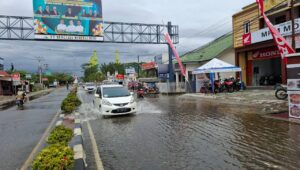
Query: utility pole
(171, 71)
(40, 59)
(138, 66)
(292, 16)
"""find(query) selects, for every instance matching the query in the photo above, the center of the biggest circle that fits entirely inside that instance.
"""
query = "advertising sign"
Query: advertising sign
(28, 76)
(148, 66)
(293, 85)
(285, 29)
(72, 20)
(120, 76)
(130, 71)
(266, 53)
(16, 77)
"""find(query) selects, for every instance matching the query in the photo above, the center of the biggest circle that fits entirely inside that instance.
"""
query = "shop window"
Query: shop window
(280, 19)
(247, 27)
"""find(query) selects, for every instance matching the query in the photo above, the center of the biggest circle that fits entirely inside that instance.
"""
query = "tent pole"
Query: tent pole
(241, 79)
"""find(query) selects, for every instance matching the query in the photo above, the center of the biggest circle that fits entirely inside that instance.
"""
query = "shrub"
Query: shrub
(56, 157)
(61, 135)
(70, 103)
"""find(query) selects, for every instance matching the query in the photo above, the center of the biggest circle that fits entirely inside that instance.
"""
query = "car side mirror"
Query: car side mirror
(97, 95)
(131, 93)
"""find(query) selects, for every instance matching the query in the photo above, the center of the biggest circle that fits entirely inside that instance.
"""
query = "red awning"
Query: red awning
(4, 74)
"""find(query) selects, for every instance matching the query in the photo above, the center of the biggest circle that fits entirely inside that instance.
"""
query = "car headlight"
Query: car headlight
(132, 100)
(105, 102)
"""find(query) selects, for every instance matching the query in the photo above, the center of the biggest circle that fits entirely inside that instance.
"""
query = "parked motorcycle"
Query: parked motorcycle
(218, 86)
(281, 92)
(228, 85)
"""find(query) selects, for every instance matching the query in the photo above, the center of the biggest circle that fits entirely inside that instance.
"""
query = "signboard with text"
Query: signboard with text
(293, 85)
(266, 53)
(285, 29)
(72, 20)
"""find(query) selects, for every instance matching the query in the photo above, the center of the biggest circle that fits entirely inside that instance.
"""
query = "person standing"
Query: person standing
(67, 85)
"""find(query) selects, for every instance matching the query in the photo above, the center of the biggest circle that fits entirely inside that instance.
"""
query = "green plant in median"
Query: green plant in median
(60, 135)
(70, 103)
(54, 157)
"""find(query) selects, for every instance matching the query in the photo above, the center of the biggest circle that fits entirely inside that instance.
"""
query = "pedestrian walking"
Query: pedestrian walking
(67, 85)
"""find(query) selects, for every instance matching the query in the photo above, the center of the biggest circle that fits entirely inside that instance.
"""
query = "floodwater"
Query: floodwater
(170, 132)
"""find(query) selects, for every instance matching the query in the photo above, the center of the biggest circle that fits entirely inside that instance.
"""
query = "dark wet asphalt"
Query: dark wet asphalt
(175, 133)
(21, 130)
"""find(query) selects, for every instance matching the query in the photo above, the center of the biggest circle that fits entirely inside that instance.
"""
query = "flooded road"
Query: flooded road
(170, 132)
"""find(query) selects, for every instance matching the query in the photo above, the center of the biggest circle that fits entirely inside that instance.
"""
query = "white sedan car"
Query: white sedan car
(114, 100)
(89, 87)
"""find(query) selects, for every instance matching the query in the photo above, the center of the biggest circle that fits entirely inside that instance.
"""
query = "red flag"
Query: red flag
(281, 43)
(169, 41)
(260, 4)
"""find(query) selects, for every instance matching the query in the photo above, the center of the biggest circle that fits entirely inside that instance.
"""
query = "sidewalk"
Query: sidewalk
(6, 101)
(248, 101)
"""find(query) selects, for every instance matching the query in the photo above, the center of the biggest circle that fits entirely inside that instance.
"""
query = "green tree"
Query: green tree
(91, 70)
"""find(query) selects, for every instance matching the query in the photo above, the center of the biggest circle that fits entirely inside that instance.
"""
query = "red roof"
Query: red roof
(4, 74)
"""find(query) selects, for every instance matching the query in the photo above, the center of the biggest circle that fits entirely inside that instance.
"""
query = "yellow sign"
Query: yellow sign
(271, 3)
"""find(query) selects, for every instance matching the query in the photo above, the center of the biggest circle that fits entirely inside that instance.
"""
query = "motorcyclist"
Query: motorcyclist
(21, 96)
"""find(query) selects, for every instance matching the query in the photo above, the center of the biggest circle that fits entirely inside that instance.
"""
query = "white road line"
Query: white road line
(95, 148)
(30, 158)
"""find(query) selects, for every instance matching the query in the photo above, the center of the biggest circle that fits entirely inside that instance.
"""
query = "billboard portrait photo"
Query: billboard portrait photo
(73, 20)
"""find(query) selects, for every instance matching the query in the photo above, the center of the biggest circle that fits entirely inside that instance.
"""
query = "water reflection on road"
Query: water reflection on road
(170, 132)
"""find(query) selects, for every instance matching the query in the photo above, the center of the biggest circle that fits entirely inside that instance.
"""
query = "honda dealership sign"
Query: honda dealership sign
(72, 20)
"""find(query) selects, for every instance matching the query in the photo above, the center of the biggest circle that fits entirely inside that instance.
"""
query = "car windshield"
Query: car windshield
(115, 92)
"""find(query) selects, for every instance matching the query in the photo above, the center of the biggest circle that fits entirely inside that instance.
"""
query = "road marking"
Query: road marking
(95, 148)
(29, 160)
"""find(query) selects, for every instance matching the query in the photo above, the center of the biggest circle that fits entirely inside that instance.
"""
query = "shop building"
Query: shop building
(255, 50)
(221, 48)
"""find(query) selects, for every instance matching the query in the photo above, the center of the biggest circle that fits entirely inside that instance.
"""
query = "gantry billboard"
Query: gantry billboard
(72, 20)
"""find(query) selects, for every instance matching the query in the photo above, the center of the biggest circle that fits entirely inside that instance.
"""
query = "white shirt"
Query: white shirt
(79, 28)
(61, 27)
(71, 28)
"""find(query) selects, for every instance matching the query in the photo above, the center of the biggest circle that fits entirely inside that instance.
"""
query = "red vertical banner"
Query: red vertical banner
(169, 41)
(281, 43)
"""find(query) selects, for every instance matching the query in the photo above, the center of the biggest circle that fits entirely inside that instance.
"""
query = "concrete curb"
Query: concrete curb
(76, 142)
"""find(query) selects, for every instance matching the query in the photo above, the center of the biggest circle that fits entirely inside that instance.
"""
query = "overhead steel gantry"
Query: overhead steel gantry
(22, 28)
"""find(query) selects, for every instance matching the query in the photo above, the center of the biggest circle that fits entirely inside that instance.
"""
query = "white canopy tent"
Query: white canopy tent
(216, 66)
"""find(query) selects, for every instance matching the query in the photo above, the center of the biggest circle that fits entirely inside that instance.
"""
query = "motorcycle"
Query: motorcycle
(140, 93)
(281, 93)
(20, 104)
(238, 85)
(218, 86)
(228, 84)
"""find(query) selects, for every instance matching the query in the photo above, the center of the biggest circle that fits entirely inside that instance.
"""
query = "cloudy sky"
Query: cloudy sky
(199, 22)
